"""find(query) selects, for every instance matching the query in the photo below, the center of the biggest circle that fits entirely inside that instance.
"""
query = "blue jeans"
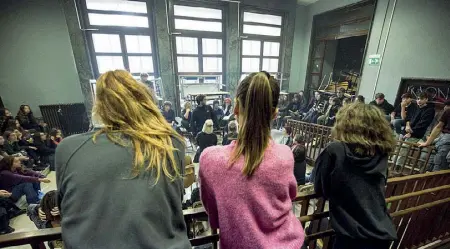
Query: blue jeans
(439, 161)
(398, 124)
(30, 190)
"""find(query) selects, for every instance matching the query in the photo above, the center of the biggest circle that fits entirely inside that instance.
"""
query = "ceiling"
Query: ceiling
(306, 2)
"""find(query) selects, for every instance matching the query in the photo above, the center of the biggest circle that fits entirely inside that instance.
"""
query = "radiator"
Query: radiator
(70, 118)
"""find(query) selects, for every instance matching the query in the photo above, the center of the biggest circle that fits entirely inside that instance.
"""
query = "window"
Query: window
(261, 43)
(199, 46)
(120, 36)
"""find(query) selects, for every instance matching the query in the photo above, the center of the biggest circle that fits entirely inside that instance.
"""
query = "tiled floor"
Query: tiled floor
(23, 223)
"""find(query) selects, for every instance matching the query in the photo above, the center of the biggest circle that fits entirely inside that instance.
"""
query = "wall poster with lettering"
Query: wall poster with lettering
(438, 89)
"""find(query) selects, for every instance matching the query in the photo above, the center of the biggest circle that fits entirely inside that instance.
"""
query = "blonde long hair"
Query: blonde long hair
(256, 100)
(365, 127)
(127, 109)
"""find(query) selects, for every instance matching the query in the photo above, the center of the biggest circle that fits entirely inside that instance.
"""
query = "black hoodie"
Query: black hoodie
(355, 188)
(423, 117)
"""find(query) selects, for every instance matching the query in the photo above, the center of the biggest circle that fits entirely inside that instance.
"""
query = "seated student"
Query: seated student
(360, 99)
(11, 145)
(318, 108)
(55, 138)
(232, 133)
(323, 119)
(26, 141)
(205, 139)
(299, 151)
(168, 113)
(217, 110)
(46, 215)
(186, 115)
(404, 112)
(5, 116)
(292, 111)
(440, 136)
(227, 107)
(351, 173)
(202, 113)
(287, 138)
(26, 118)
(19, 181)
(417, 126)
(383, 104)
(8, 210)
(44, 151)
(13, 124)
(247, 187)
(341, 94)
(303, 102)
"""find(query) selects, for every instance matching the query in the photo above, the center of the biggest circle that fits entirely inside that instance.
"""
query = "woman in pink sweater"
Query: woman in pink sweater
(247, 187)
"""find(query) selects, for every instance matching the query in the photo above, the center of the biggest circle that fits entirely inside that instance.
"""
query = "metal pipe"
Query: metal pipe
(384, 49)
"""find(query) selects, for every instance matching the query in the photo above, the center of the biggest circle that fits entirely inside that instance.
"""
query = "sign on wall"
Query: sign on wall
(374, 59)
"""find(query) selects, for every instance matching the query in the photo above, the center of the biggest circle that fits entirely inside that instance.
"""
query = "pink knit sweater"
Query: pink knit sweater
(251, 212)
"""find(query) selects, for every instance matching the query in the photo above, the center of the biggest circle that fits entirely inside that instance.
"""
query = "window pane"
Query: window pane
(198, 25)
(187, 45)
(138, 44)
(261, 18)
(270, 65)
(197, 12)
(118, 20)
(187, 64)
(261, 30)
(106, 43)
(250, 65)
(251, 47)
(212, 46)
(114, 5)
(106, 63)
(211, 64)
(271, 48)
(141, 64)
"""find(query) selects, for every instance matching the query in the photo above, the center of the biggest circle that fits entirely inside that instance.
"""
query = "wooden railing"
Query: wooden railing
(318, 136)
(419, 205)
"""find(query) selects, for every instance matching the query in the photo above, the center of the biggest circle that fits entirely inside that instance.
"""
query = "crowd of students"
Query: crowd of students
(132, 168)
(26, 147)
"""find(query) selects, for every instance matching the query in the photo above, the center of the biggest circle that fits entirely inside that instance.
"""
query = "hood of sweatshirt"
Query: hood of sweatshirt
(370, 165)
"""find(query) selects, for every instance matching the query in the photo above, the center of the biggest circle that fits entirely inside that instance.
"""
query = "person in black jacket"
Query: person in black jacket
(5, 117)
(383, 104)
(352, 172)
(186, 116)
(405, 111)
(205, 139)
(417, 126)
(299, 151)
(26, 118)
(46, 154)
(202, 113)
(232, 133)
(168, 113)
(292, 111)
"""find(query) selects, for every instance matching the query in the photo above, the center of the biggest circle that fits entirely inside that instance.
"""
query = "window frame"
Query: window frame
(122, 32)
(199, 35)
(262, 38)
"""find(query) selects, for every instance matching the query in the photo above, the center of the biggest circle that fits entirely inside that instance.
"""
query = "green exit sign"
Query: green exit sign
(374, 59)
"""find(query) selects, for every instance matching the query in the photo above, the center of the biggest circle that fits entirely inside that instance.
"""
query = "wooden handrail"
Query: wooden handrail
(420, 207)
(418, 193)
(417, 176)
(32, 237)
(315, 216)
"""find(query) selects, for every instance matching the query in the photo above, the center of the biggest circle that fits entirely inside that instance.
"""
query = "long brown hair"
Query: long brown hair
(256, 100)
(127, 107)
(365, 127)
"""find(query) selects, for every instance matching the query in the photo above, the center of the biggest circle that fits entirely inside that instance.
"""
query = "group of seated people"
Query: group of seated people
(318, 111)
(132, 168)
(26, 147)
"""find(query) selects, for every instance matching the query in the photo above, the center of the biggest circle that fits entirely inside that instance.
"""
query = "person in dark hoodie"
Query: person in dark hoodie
(417, 126)
(202, 113)
(351, 173)
(292, 111)
(383, 104)
(27, 119)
